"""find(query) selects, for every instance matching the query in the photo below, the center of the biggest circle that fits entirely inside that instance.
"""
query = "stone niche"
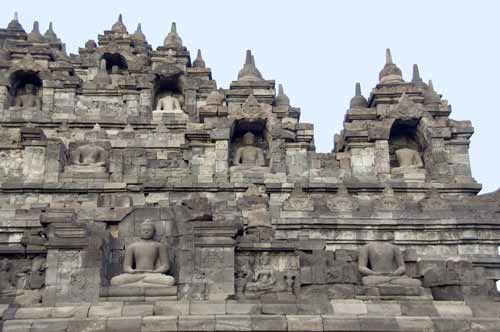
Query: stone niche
(87, 158)
(168, 99)
(115, 63)
(249, 150)
(25, 90)
(406, 151)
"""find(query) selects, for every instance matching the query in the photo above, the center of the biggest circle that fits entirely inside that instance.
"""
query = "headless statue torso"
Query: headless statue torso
(409, 158)
(383, 264)
(89, 154)
(28, 98)
(168, 103)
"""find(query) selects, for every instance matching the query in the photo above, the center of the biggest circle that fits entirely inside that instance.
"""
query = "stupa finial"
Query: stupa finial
(199, 62)
(358, 101)
(390, 74)
(249, 70)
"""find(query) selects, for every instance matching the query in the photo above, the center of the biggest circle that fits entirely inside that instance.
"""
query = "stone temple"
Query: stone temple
(137, 195)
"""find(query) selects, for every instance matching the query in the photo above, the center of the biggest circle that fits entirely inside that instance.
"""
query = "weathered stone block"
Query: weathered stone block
(17, 326)
(233, 323)
(52, 325)
(89, 324)
(123, 324)
(450, 324)
(207, 308)
(452, 309)
(418, 308)
(269, 323)
(197, 323)
(304, 323)
(339, 323)
(386, 324)
(279, 308)
(243, 307)
(415, 324)
(106, 310)
(484, 309)
(34, 313)
(70, 312)
(171, 308)
(383, 309)
(484, 324)
(159, 324)
(349, 308)
(137, 310)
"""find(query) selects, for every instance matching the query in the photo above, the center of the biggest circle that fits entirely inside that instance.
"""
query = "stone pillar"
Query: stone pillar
(297, 160)
(54, 163)
(4, 98)
(190, 104)
(382, 159)
(47, 100)
(221, 160)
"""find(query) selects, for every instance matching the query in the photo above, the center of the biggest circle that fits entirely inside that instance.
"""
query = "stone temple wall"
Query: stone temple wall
(259, 231)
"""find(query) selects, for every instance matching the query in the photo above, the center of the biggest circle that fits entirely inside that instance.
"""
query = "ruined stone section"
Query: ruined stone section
(137, 195)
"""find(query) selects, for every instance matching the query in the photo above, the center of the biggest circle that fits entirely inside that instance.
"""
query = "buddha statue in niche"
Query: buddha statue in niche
(145, 262)
(249, 154)
(169, 103)
(28, 98)
(90, 157)
(409, 158)
(382, 264)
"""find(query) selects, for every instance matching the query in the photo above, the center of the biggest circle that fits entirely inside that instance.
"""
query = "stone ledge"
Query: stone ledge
(254, 323)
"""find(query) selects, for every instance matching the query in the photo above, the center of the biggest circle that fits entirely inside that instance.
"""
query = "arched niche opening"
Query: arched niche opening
(406, 146)
(25, 89)
(167, 93)
(115, 63)
(249, 144)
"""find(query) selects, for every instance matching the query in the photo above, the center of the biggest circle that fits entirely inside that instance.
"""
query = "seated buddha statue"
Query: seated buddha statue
(89, 157)
(28, 98)
(382, 264)
(145, 262)
(409, 158)
(249, 154)
(169, 103)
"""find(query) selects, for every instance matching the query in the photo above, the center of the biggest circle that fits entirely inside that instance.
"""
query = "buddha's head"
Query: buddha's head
(147, 230)
(249, 138)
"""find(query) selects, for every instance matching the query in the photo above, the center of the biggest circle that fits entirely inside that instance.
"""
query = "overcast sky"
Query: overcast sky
(319, 49)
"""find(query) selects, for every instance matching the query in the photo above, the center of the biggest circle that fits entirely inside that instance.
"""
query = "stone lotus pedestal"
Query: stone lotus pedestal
(177, 116)
(139, 294)
(85, 172)
(253, 174)
(408, 174)
(388, 291)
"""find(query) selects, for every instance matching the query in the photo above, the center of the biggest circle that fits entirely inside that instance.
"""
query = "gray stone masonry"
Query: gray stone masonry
(249, 227)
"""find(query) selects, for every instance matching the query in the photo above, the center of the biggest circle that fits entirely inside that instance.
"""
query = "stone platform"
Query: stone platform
(138, 294)
(337, 315)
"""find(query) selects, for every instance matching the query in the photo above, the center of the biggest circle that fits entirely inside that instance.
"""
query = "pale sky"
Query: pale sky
(318, 50)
